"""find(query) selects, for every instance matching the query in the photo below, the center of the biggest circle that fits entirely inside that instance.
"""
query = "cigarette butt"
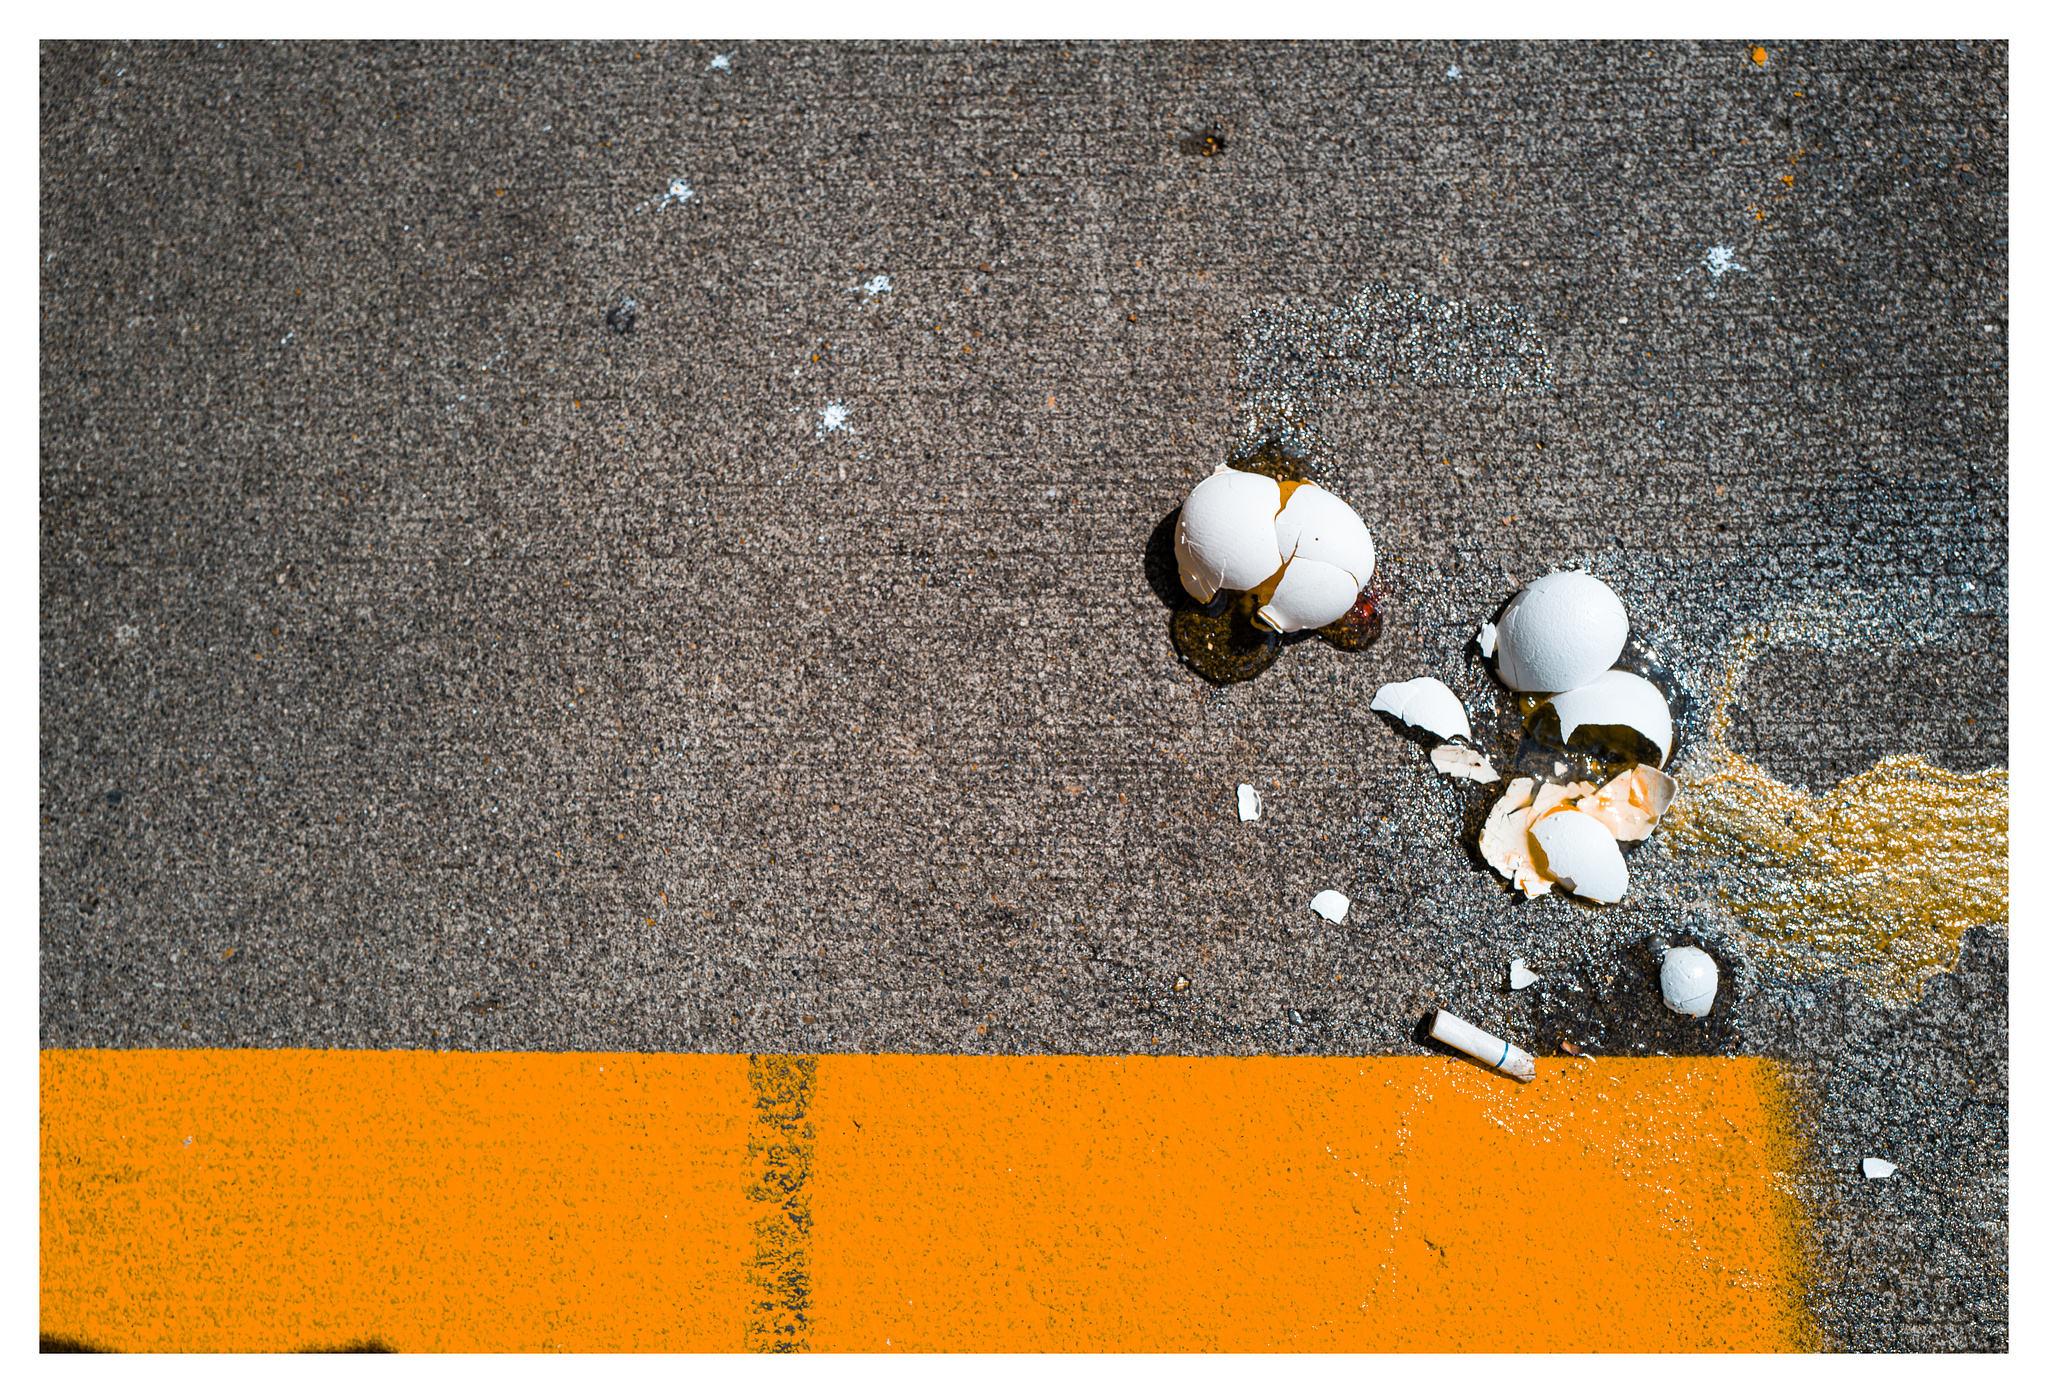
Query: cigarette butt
(1489, 1050)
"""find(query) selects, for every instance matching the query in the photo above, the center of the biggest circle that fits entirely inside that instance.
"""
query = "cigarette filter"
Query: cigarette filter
(1489, 1050)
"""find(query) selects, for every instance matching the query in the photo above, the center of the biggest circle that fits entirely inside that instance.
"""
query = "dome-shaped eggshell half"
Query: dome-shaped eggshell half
(1317, 525)
(1560, 632)
(1425, 704)
(1617, 698)
(1310, 595)
(1225, 539)
(1689, 978)
(1581, 855)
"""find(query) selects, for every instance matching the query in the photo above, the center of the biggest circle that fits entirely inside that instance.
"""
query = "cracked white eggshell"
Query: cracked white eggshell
(1426, 704)
(1559, 632)
(1581, 855)
(1630, 804)
(1616, 698)
(1519, 976)
(1504, 841)
(1550, 795)
(1689, 978)
(1317, 525)
(1310, 595)
(1248, 805)
(1225, 539)
(1463, 762)
(1332, 905)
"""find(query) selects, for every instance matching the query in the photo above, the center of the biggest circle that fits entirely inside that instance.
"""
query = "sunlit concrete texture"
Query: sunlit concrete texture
(644, 548)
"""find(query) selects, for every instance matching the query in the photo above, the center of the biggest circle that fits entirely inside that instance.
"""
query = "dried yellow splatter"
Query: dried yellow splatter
(1879, 877)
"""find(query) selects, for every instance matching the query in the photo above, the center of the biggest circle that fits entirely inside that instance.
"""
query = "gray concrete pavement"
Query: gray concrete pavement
(515, 576)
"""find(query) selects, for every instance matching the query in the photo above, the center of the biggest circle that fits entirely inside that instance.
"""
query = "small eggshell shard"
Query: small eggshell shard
(1519, 976)
(1689, 978)
(1248, 805)
(1426, 704)
(1310, 594)
(1487, 637)
(1581, 855)
(1332, 905)
(1630, 804)
(1877, 1168)
(1559, 633)
(1616, 699)
(1225, 539)
(1317, 525)
(1504, 840)
(1463, 762)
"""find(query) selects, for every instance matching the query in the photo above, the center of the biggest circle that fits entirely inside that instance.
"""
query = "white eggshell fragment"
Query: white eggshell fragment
(1581, 855)
(1616, 699)
(1426, 704)
(1689, 978)
(1310, 594)
(1225, 540)
(1519, 976)
(1504, 841)
(1550, 795)
(1559, 632)
(1248, 805)
(1463, 762)
(1630, 804)
(1317, 525)
(1333, 905)
(1488, 636)
(1877, 1168)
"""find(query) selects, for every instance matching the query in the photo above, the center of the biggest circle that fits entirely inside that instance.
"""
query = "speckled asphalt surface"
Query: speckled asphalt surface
(514, 577)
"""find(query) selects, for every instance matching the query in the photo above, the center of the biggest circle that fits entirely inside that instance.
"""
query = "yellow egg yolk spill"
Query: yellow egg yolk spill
(1878, 878)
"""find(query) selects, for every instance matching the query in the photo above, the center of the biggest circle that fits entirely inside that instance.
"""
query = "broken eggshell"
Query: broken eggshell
(1558, 633)
(1616, 698)
(1425, 704)
(1225, 540)
(1580, 854)
(1877, 1168)
(1248, 805)
(1504, 840)
(1519, 976)
(1310, 594)
(1689, 979)
(1463, 762)
(1630, 804)
(1332, 905)
(1317, 525)
(1299, 544)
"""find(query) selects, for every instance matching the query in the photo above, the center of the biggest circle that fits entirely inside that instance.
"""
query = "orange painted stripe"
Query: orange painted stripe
(447, 1201)
(292, 1199)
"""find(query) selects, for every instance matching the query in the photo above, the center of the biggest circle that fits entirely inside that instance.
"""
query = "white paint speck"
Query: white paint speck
(832, 418)
(879, 285)
(720, 64)
(1452, 73)
(1719, 259)
(679, 191)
